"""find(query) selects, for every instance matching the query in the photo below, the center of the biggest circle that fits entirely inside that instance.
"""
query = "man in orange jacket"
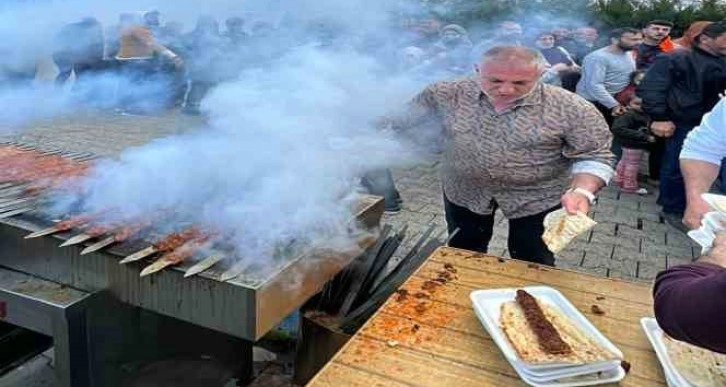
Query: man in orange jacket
(656, 40)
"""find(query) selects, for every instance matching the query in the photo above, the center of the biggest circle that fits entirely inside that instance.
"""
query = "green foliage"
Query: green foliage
(604, 14)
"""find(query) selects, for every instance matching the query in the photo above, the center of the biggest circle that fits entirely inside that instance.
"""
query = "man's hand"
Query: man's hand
(574, 202)
(717, 255)
(695, 210)
(560, 67)
(618, 110)
(663, 129)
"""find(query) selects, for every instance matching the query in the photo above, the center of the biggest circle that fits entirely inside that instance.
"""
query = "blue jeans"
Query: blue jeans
(672, 189)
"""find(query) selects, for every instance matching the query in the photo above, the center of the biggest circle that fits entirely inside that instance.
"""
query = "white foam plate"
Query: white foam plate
(565, 372)
(655, 336)
(613, 375)
(487, 305)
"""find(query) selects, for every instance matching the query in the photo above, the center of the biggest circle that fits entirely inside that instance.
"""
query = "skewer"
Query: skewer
(61, 226)
(119, 235)
(233, 272)
(168, 243)
(46, 231)
(99, 245)
(174, 257)
(203, 265)
(80, 238)
(141, 254)
(16, 212)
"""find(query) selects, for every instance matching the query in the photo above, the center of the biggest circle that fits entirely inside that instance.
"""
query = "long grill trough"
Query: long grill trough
(213, 292)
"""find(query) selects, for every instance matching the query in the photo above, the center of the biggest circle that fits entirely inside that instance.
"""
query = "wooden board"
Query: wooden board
(431, 337)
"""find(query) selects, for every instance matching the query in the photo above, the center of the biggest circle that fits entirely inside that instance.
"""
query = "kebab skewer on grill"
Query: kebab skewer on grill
(178, 255)
(61, 226)
(168, 243)
(120, 235)
(90, 233)
(204, 264)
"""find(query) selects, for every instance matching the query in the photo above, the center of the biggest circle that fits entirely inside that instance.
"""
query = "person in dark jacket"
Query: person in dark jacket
(631, 131)
(78, 48)
(203, 49)
(677, 91)
(689, 301)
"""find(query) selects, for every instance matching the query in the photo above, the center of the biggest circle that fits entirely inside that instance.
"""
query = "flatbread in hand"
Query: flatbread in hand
(698, 366)
(561, 228)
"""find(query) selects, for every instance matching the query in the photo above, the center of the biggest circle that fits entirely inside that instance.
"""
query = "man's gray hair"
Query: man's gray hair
(505, 54)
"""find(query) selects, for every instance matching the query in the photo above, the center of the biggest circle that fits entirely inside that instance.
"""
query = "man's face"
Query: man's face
(507, 81)
(586, 35)
(546, 41)
(510, 29)
(561, 33)
(450, 36)
(656, 32)
(629, 41)
(715, 45)
(428, 27)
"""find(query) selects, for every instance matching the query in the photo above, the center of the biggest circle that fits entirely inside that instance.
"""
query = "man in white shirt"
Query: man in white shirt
(700, 159)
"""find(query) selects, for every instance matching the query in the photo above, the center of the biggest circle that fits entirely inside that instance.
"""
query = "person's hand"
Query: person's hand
(574, 202)
(663, 129)
(695, 210)
(717, 255)
(618, 110)
(560, 67)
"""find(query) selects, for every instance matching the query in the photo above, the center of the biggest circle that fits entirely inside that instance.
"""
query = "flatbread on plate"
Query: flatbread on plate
(524, 341)
(562, 228)
(697, 365)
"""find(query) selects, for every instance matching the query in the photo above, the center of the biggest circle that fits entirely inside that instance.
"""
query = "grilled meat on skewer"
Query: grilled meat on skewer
(120, 235)
(64, 225)
(168, 243)
(91, 233)
(177, 256)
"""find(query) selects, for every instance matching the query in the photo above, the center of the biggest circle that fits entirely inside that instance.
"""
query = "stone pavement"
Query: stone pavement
(630, 241)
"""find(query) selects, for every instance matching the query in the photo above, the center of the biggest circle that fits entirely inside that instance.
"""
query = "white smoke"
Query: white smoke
(282, 154)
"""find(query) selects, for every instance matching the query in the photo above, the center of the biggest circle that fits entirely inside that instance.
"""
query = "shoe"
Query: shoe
(392, 209)
(642, 191)
(675, 221)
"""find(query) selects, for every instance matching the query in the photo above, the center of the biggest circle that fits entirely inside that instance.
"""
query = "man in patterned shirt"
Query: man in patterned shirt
(515, 144)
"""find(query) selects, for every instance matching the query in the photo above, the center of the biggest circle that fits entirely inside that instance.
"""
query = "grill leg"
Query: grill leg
(71, 348)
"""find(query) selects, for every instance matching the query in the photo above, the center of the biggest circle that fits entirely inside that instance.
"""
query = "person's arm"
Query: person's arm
(593, 74)
(689, 302)
(422, 108)
(654, 89)
(628, 127)
(703, 150)
(587, 144)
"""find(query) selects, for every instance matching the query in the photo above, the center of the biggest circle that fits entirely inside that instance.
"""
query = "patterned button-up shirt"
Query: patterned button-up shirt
(520, 158)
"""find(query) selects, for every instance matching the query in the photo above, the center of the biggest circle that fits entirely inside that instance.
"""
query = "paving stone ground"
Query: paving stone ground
(630, 241)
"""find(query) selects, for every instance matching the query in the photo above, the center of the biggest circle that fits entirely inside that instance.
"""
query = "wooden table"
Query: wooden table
(438, 341)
